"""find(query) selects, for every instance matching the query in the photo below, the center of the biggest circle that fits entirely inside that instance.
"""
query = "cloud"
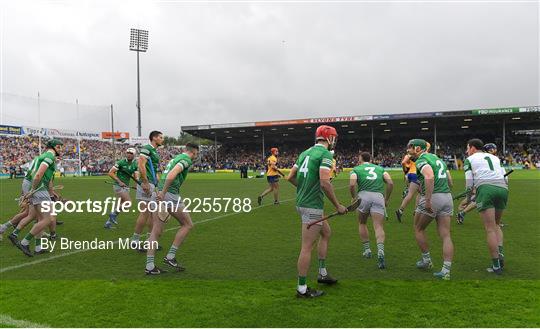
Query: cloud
(232, 62)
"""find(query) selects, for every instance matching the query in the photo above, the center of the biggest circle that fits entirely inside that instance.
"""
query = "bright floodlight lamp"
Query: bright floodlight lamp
(138, 42)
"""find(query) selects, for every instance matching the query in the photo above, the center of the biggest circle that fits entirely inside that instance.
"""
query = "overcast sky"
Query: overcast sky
(235, 62)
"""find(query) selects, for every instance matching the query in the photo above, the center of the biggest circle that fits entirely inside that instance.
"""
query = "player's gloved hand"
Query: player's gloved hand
(146, 187)
(341, 209)
(428, 206)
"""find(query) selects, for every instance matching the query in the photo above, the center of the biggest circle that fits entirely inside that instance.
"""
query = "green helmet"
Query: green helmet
(53, 142)
(418, 142)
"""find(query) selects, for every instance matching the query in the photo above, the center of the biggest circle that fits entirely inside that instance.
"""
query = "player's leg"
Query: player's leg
(500, 236)
(378, 227)
(186, 225)
(322, 251)
(275, 187)
(421, 222)
(443, 228)
(363, 231)
(309, 236)
(123, 196)
(14, 220)
(411, 191)
(14, 236)
(269, 189)
(489, 199)
(157, 229)
(491, 227)
(44, 219)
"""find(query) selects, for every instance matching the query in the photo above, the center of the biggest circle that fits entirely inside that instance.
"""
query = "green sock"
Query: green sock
(149, 262)
(27, 239)
(496, 263)
(380, 249)
(366, 245)
(322, 263)
(501, 252)
(172, 252)
(135, 237)
(302, 280)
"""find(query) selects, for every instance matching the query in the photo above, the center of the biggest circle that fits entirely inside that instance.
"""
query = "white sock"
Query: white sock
(446, 267)
(149, 262)
(322, 271)
(302, 289)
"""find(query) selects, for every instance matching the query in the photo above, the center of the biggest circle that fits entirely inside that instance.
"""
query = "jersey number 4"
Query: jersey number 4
(304, 167)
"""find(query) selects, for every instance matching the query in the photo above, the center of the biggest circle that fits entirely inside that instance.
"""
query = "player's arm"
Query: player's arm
(353, 185)
(429, 181)
(389, 187)
(171, 175)
(141, 167)
(469, 178)
(39, 174)
(404, 163)
(328, 189)
(450, 179)
(292, 175)
(112, 174)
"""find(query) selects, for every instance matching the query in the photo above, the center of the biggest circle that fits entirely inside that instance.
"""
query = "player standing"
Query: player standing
(435, 202)
(122, 172)
(469, 203)
(366, 183)
(311, 176)
(147, 165)
(484, 172)
(40, 191)
(272, 176)
(171, 180)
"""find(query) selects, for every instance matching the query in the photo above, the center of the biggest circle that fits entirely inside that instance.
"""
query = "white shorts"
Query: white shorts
(140, 195)
(119, 189)
(371, 202)
(309, 215)
(176, 200)
(26, 187)
(441, 203)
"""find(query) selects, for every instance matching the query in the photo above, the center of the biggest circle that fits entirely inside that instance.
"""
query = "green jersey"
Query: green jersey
(49, 159)
(183, 161)
(308, 191)
(152, 163)
(369, 177)
(125, 169)
(439, 172)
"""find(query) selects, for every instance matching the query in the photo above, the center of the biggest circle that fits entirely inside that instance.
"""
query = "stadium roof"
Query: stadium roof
(386, 125)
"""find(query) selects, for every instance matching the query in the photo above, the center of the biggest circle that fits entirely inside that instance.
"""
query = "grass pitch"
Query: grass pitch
(241, 268)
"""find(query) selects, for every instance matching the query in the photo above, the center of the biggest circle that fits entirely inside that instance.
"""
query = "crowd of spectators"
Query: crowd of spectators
(97, 156)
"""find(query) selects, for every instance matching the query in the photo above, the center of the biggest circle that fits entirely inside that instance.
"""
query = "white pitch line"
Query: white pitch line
(9, 321)
(38, 261)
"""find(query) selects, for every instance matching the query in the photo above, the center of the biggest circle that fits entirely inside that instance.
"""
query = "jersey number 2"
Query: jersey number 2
(441, 172)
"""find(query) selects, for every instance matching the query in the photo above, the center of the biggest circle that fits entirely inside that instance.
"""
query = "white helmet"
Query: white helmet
(131, 150)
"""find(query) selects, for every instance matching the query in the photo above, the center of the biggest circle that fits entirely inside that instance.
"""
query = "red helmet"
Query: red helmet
(328, 134)
(274, 150)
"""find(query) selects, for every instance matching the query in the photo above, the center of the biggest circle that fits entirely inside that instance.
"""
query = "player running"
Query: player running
(171, 180)
(484, 172)
(311, 176)
(272, 176)
(366, 183)
(39, 190)
(122, 172)
(147, 166)
(435, 202)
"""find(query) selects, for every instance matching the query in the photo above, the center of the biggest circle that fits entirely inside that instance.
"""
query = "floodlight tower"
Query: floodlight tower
(138, 42)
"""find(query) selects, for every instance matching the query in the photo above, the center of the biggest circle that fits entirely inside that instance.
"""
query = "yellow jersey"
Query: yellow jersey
(410, 167)
(270, 163)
